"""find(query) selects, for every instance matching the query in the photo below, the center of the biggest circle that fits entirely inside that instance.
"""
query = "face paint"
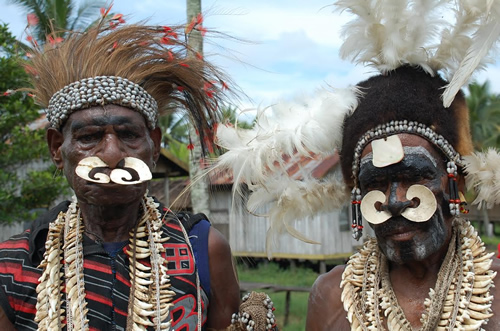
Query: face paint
(130, 171)
(401, 239)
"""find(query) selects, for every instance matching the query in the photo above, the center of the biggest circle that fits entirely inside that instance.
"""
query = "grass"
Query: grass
(268, 272)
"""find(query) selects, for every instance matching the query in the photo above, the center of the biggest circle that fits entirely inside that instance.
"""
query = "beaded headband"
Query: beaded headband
(397, 127)
(101, 90)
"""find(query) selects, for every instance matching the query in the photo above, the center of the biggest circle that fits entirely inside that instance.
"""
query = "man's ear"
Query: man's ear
(55, 140)
(461, 182)
(156, 137)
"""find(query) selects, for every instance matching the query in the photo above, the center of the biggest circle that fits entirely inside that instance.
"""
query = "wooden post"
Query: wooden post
(287, 307)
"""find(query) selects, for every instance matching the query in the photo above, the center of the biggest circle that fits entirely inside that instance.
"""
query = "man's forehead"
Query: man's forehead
(104, 115)
(409, 145)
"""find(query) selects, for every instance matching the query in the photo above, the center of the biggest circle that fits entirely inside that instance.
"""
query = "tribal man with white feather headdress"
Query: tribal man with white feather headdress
(406, 158)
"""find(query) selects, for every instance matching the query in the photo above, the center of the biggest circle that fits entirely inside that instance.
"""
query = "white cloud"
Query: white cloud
(292, 48)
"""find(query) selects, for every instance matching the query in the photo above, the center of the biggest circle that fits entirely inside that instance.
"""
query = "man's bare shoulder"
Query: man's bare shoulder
(325, 310)
(494, 322)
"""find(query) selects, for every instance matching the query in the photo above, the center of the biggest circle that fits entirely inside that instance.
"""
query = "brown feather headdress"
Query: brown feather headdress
(156, 58)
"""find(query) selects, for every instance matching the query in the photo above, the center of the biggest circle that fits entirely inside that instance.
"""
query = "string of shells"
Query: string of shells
(150, 295)
(465, 287)
(49, 314)
(76, 315)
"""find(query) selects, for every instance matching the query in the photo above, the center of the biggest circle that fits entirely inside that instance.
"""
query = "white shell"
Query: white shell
(120, 176)
(387, 151)
(368, 210)
(86, 165)
(427, 206)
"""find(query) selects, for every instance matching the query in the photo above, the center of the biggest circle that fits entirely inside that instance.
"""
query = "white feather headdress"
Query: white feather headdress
(257, 157)
(453, 37)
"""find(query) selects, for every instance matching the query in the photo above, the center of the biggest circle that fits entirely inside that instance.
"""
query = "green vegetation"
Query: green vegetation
(271, 273)
(22, 195)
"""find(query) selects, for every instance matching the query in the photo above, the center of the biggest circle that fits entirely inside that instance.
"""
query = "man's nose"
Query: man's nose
(396, 201)
(111, 150)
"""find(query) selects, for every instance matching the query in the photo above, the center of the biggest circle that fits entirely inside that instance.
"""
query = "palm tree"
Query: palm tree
(484, 110)
(175, 135)
(59, 16)
(484, 113)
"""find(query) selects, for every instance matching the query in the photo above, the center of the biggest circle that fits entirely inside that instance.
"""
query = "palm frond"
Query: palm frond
(87, 14)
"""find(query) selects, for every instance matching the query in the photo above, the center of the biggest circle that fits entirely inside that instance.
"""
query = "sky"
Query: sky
(281, 48)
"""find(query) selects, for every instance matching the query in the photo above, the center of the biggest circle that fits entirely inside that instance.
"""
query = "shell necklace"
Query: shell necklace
(460, 300)
(150, 297)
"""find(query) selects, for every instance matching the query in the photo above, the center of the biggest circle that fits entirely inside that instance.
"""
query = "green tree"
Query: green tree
(484, 110)
(59, 15)
(175, 135)
(175, 130)
(484, 113)
(22, 146)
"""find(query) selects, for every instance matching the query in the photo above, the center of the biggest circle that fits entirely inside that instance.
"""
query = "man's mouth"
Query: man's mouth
(399, 229)
(402, 235)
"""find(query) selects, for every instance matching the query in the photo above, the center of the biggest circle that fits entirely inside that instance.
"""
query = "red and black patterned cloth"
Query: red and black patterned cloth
(107, 282)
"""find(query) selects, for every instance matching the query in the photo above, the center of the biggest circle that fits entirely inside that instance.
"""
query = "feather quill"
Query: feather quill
(309, 127)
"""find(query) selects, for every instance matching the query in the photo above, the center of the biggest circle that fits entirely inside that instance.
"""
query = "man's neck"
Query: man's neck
(110, 223)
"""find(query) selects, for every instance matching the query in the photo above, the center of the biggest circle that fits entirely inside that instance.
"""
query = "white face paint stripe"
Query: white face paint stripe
(409, 150)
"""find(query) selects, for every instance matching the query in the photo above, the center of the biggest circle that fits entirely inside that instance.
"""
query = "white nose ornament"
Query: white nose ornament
(86, 165)
(421, 213)
(427, 206)
(124, 177)
(93, 169)
(371, 213)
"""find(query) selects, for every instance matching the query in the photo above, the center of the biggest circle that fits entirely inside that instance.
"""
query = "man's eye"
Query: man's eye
(128, 135)
(88, 138)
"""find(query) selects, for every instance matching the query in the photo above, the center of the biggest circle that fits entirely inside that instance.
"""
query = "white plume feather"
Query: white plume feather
(297, 199)
(483, 175)
(389, 33)
(483, 40)
(311, 125)
(257, 157)
(454, 37)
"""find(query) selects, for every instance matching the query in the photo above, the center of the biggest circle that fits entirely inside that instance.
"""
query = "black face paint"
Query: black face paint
(400, 239)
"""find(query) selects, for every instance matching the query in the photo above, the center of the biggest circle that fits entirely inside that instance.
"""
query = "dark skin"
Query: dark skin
(110, 211)
(412, 274)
